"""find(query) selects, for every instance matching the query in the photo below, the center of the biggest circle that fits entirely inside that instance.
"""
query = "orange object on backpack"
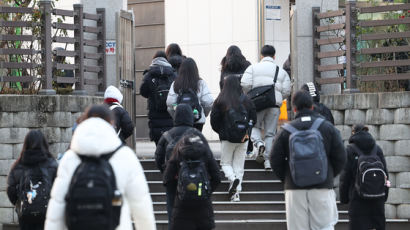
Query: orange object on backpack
(283, 111)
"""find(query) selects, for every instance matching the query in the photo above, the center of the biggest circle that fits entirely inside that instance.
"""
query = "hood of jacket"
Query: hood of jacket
(175, 61)
(160, 70)
(363, 140)
(113, 92)
(183, 115)
(94, 137)
(160, 61)
(33, 157)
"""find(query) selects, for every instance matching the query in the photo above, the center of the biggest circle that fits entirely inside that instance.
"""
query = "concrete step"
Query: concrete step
(237, 206)
(250, 174)
(280, 224)
(244, 215)
(149, 164)
(244, 206)
(245, 196)
(260, 224)
(247, 185)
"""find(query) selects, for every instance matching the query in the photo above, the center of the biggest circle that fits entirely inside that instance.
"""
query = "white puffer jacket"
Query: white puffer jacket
(204, 96)
(262, 74)
(95, 136)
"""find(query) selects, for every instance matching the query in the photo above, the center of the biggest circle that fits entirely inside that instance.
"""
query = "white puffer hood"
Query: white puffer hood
(113, 92)
(94, 137)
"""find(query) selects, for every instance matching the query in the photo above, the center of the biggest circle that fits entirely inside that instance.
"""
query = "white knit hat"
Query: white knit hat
(113, 92)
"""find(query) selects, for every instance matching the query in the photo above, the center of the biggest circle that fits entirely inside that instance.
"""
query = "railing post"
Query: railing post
(316, 47)
(79, 48)
(102, 75)
(46, 51)
(351, 21)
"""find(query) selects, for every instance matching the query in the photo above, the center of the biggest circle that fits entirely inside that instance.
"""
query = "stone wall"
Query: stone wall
(53, 115)
(388, 117)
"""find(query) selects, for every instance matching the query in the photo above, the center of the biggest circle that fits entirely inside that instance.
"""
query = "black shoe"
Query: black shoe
(260, 158)
(232, 188)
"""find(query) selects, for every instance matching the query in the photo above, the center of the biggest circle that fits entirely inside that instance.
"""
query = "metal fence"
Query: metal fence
(46, 64)
(352, 71)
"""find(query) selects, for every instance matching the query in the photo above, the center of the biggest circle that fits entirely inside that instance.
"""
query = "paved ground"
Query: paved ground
(146, 149)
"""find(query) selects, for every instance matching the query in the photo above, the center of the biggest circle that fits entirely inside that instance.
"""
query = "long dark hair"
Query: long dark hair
(173, 49)
(34, 140)
(230, 94)
(188, 76)
(234, 61)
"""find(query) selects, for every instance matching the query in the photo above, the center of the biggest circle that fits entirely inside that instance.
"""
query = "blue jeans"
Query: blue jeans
(170, 192)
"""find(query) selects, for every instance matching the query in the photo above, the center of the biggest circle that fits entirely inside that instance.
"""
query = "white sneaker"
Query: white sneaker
(267, 165)
(235, 197)
(251, 154)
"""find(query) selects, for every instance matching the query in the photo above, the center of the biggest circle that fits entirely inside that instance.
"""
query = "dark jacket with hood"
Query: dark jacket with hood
(363, 214)
(183, 124)
(30, 159)
(219, 117)
(123, 121)
(233, 68)
(318, 107)
(324, 111)
(113, 97)
(159, 121)
(336, 153)
(194, 214)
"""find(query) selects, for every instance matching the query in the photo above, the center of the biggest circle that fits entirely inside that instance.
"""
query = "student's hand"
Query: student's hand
(245, 138)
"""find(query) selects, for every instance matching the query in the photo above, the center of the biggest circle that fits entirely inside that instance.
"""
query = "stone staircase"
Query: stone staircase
(261, 207)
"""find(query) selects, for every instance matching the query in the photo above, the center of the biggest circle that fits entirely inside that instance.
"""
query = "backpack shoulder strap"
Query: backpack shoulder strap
(107, 156)
(168, 137)
(288, 127)
(276, 74)
(316, 124)
(242, 98)
(115, 105)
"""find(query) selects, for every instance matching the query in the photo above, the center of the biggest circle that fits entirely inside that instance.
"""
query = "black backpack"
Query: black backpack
(162, 84)
(237, 123)
(308, 162)
(371, 176)
(193, 181)
(264, 96)
(191, 98)
(34, 194)
(93, 200)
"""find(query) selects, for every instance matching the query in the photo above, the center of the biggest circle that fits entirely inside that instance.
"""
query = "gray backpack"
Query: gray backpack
(307, 155)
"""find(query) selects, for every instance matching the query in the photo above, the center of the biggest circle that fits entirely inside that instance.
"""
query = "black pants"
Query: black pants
(170, 192)
(30, 226)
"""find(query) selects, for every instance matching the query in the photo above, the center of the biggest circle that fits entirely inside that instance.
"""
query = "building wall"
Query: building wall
(206, 28)
(277, 32)
(149, 37)
(388, 117)
(53, 115)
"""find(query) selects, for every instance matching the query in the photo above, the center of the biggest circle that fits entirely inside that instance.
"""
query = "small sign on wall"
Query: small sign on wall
(272, 12)
(110, 47)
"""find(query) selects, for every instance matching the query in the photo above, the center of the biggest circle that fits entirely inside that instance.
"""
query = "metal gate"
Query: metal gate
(125, 64)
